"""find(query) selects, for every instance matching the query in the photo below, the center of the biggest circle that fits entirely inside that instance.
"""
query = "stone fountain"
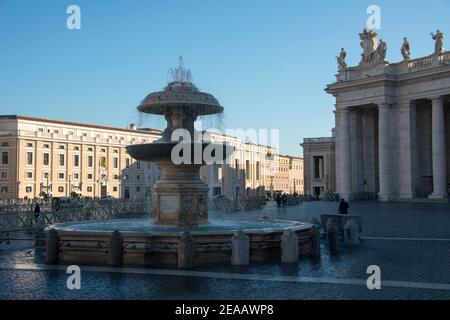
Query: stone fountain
(180, 196)
(179, 232)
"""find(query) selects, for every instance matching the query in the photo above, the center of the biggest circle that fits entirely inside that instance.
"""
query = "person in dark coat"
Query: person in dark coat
(37, 211)
(278, 200)
(343, 207)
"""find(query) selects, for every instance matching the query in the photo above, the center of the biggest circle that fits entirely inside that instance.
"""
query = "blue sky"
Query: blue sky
(267, 62)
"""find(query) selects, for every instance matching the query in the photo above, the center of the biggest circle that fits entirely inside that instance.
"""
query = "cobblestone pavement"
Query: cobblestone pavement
(410, 243)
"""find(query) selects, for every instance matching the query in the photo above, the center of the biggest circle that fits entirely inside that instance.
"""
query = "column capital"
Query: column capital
(436, 99)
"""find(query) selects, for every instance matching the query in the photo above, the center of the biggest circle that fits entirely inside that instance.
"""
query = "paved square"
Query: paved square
(410, 242)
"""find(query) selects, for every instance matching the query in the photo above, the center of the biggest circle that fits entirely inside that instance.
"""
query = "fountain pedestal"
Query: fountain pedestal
(180, 197)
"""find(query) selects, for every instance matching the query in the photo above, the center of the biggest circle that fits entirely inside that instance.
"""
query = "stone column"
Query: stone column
(407, 149)
(343, 149)
(438, 147)
(384, 153)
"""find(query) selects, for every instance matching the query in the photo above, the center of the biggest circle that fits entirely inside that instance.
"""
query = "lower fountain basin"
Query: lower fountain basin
(146, 244)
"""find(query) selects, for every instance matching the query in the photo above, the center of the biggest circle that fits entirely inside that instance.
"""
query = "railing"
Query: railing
(421, 63)
(403, 67)
(20, 216)
(318, 140)
(230, 205)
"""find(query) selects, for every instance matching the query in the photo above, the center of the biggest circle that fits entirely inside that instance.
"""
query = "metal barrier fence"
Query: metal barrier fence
(227, 204)
(20, 216)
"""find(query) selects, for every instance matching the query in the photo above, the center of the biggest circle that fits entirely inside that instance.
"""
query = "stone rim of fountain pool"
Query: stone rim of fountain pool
(141, 226)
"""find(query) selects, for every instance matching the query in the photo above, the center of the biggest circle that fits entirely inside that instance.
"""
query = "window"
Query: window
(4, 190)
(90, 161)
(138, 177)
(247, 169)
(103, 162)
(61, 147)
(103, 150)
(62, 159)
(46, 146)
(30, 158)
(29, 145)
(76, 160)
(90, 149)
(29, 175)
(5, 144)
(138, 189)
(60, 189)
(258, 170)
(76, 176)
(138, 165)
(127, 163)
(76, 148)
(89, 189)
(116, 163)
(115, 189)
(5, 158)
(90, 176)
(127, 177)
(45, 175)
(46, 160)
(61, 176)
(4, 175)
(28, 189)
(116, 177)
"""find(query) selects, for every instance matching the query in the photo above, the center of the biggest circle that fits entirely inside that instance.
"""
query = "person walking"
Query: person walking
(343, 207)
(37, 211)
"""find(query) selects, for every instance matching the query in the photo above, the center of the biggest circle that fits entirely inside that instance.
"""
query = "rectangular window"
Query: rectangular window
(30, 158)
(29, 145)
(103, 162)
(46, 159)
(76, 176)
(46, 146)
(115, 189)
(127, 163)
(28, 189)
(61, 176)
(29, 175)
(138, 189)
(4, 189)
(138, 177)
(4, 175)
(90, 176)
(90, 161)
(247, 169)
(138, 165)
(5, 144)
(76, 160)
(60, 189)
(258, 170)
(89, 189)
(62, 159)
(116, 163)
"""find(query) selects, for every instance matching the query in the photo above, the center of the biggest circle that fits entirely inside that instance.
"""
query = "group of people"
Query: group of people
(281, 200)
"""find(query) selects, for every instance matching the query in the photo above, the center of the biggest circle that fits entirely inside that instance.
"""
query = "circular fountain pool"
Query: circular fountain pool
(143, 225)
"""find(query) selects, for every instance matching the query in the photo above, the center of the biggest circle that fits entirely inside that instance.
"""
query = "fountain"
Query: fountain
(180, 209)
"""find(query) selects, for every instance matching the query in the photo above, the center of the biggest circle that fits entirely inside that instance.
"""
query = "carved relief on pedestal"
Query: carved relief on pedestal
(202, 205)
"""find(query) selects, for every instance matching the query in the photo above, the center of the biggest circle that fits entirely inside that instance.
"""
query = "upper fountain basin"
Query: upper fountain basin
(180, 96)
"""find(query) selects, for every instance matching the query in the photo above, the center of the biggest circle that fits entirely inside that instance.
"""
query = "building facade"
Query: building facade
(393, 124)
(48, 158)
(319, 166)
(41, 157)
